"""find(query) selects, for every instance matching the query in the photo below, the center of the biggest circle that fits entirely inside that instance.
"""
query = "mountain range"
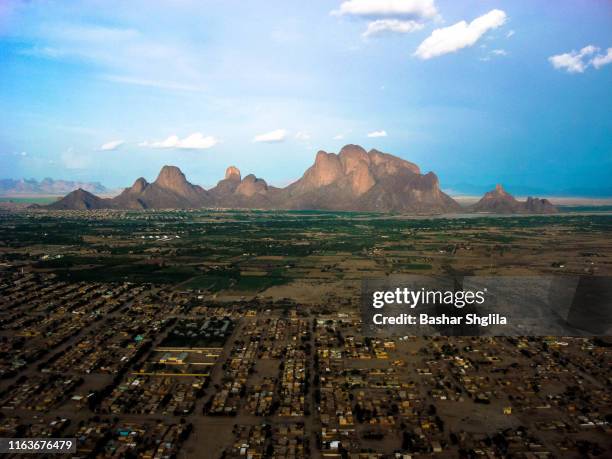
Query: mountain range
(352, 180)
(47, 186)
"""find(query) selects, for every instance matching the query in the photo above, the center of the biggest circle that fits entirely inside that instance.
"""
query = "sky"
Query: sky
(478, 91)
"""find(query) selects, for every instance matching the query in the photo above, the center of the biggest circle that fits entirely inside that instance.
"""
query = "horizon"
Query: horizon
(463, 192)
(460, 196)
(515, 94)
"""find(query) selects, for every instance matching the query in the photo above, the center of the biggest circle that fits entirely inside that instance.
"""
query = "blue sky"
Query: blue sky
(480, 92)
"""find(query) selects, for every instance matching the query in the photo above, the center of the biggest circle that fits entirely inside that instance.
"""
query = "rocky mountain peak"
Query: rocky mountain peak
(326, 169)
(322, 156)
(251, 178)
(170, 177)
(386, 164)
(356, 164)
(139, 185)
(80, 192)
(232, 172)
(540, 206)
(500, 194)
(352, 157)
(251, 185)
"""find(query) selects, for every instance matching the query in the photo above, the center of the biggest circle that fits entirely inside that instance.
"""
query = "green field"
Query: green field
(249, 252)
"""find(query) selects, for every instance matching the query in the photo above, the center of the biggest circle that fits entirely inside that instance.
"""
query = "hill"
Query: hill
(80, 200)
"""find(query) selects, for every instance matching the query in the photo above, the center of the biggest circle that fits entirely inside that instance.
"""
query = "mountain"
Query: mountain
(47, 186)
(499, 201)
(248, 192)
(366, 181)
(171, 190)
(80, 200)
(351, 180)
(539, 206)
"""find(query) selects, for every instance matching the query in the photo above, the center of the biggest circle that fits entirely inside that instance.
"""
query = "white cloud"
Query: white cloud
(388, 8)
(460, 35)
(602, 59)
(302, 136)
(510, 33)
(499, 52)
(381, 26)
(377, 134)
(338, 137)
(277, 135)
(112, 145)
(573, 62)
(195, 141)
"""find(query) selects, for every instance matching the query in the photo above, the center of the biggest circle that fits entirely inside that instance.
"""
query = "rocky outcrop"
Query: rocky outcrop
(251, 186)
(499, 201)
(232, 173)
(171, 190)
(226, 187)
(249, 192)
(539, 206)
(367, 181)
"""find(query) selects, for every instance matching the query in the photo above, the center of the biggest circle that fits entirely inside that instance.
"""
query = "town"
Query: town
(173, 334)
